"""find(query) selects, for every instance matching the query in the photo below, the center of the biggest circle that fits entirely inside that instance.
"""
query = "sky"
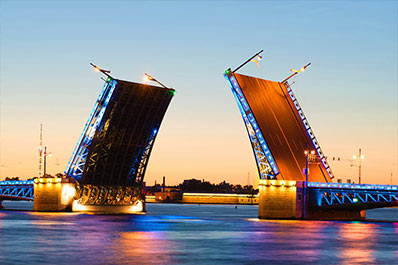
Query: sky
(349, 93)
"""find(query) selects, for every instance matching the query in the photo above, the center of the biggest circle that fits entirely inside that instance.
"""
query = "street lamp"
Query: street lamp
(105, 72)
(360, 157)
(255, 58)
(147, 78)
(295, 72)
(307, 154)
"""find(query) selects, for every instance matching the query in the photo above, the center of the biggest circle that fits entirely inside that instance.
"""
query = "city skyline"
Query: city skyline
(349, 92)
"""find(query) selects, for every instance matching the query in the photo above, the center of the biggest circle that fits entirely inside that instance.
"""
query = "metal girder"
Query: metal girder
(108, 195)
(266, 165)
(358, 195)
(143, 161)
(76, 164)
(17, 189)
(307, 126)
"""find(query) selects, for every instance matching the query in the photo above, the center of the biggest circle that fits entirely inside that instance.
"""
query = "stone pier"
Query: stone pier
(281, 199)
(53, 194)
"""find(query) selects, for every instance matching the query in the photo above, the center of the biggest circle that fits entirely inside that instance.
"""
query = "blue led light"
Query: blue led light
(309, 131)
(248, 115)
(76, 163)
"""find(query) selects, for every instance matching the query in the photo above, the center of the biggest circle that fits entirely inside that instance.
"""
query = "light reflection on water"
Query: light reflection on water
(150, 247)
(358, 239)
(192, 234)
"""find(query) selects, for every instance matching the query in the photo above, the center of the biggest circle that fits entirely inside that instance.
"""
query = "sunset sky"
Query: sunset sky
(349, 93)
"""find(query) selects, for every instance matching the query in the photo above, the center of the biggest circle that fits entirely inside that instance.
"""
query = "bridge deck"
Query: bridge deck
(282, 127)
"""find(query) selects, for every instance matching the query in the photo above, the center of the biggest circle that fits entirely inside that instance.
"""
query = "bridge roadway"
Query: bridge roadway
(283, 126)
(322, 195)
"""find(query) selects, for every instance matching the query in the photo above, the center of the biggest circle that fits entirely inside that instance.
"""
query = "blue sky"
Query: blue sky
(349, 93)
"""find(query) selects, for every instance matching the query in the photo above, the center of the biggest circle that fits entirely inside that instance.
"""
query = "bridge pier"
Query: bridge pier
(53, 194)
(1, 204)
(277, 199)
(281, 199)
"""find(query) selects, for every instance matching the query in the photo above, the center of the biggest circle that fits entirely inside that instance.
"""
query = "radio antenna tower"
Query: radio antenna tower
(41, 151)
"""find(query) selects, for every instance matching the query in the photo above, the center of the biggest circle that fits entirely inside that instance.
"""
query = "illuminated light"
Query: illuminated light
(355, 200)
(312, 152)
(109, 79)
(362, 156)
(138, 207)
(148, 77)
(354, 157)
(70, 191)
(96, 69)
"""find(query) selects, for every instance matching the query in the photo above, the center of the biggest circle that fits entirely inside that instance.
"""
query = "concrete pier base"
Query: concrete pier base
(277, 199)
(53, 195)
(286, 200)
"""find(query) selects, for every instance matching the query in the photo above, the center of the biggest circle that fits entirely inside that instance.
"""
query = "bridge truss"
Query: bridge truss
(365, 196)
(16, 190)
(266, 165)
(76, 164)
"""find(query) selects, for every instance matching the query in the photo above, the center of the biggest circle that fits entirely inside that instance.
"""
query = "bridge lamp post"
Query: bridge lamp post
(307, 154)
(105, 72)
(295, 72)
(147, 78)
(360, 157)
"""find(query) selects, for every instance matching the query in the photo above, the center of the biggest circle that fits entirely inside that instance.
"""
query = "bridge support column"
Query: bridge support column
(53, 195)
(277, 199)
(281, 199)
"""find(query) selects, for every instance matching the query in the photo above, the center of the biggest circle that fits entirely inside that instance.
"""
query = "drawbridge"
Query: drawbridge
(281, 137)
(108, 164)
(278, 130)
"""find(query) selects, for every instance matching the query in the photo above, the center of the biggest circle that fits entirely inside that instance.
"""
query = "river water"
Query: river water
(193, 234)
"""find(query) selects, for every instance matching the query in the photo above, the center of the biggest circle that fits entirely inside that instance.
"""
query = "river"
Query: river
(193, 234)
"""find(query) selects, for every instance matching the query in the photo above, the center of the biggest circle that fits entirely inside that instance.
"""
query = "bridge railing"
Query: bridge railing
(352, 186)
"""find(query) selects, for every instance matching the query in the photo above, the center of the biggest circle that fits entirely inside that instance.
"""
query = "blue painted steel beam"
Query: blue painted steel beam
(76, 164)
(16, 189)
(266, 165)
(352, 195)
